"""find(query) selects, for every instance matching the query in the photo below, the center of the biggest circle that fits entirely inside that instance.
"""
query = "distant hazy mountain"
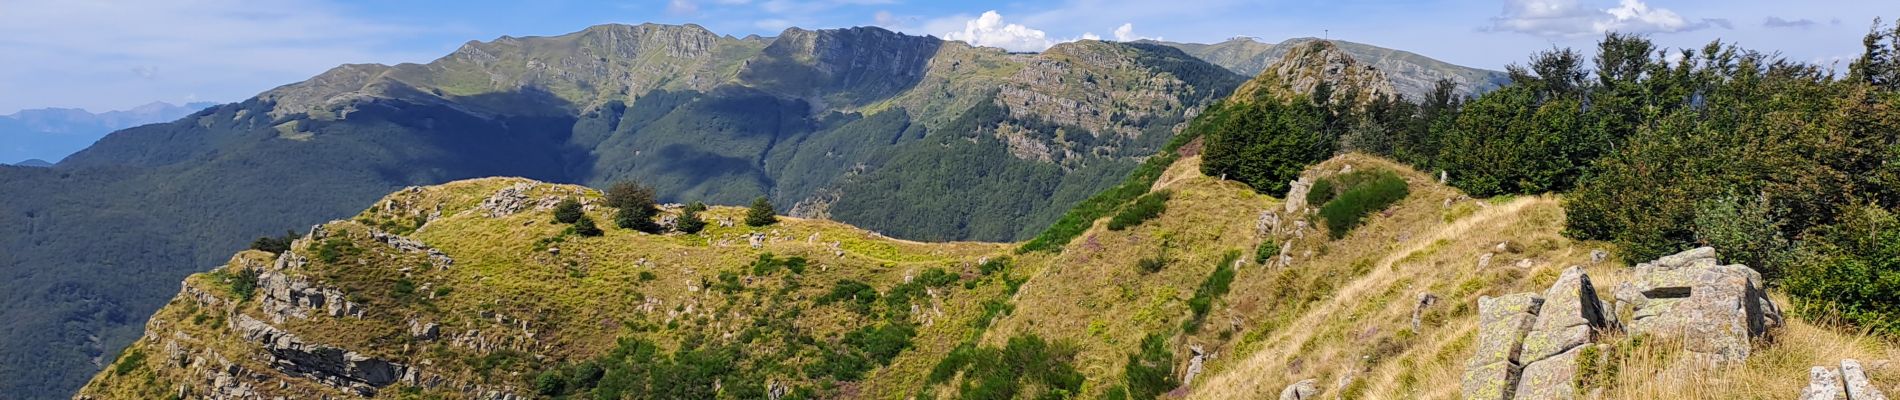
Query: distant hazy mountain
(1411, 74)
(54, 133)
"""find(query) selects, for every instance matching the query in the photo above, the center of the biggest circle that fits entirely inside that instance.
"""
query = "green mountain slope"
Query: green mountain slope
(909, 136)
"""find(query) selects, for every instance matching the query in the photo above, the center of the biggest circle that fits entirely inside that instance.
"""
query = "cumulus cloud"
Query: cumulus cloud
(1126, 33)
(1571, 18)
(990, 30)
(1778, 22)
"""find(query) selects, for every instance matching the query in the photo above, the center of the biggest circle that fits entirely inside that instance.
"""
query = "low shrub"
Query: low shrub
(1143, 209)
(1352, 205)
(568, 211)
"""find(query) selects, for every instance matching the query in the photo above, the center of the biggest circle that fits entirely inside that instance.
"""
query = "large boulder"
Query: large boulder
(1567, 324)
(1716, 310)
(1491, 372)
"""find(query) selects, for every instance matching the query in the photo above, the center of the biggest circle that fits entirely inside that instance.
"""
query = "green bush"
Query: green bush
(274, 245)
(1150, 372)
(584, 226)
(1851, 271)
(1321, 192)
(1745, 230)
(992, 373)
(129, 361)
(1216, 285)
(568, 211)
(1354, 203)
(1143, 209)
(761, 213)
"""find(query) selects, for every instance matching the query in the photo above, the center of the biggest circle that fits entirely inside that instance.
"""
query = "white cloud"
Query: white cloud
(1570, 18)
(990, 30)
(682, 7)
(1126, 33)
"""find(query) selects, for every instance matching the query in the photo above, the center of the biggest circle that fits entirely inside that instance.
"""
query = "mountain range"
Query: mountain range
(52, 133)
(907, 137)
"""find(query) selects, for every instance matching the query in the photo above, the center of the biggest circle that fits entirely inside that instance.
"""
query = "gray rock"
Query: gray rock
(1571, 316)
(1296, 196)
(1823, 384)
(1598, 256)
(1491, 372)
(1717, 310)
(1553, 378)
(424, 330)
(336, 367)
(1302, 390)
(1858, 386)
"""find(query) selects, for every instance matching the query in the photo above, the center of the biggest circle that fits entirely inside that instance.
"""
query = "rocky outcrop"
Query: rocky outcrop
(1492, 371)
(1717, 310)
(1533, 347)
(409, 245)
(339, 368)
(286, 295)
(1529, 346)
(1317, 64)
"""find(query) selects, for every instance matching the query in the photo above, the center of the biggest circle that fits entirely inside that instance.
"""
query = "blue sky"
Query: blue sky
(109, 54)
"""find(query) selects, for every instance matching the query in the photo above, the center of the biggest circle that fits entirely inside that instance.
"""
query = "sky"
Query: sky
(115, 54)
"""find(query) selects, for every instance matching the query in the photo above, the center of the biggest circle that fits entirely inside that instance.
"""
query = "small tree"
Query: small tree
(568, 211)
(585, 227)
(636, 204)
(689, 221)
(761, 213)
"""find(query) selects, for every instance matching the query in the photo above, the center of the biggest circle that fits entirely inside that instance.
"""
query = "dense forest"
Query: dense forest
(1788, 167)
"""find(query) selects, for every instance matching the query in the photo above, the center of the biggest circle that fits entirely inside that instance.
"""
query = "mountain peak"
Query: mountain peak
(1312, 64)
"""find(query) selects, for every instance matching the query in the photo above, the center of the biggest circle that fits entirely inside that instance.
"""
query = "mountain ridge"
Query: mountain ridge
(170, 197)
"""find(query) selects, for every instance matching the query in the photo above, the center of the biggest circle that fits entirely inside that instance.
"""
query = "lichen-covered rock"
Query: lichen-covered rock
(1717, 310)
(1571, 316)
(1302, 390)
(1858, 386)
(1823, 384)
(1554, 377)
(1491, 372)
